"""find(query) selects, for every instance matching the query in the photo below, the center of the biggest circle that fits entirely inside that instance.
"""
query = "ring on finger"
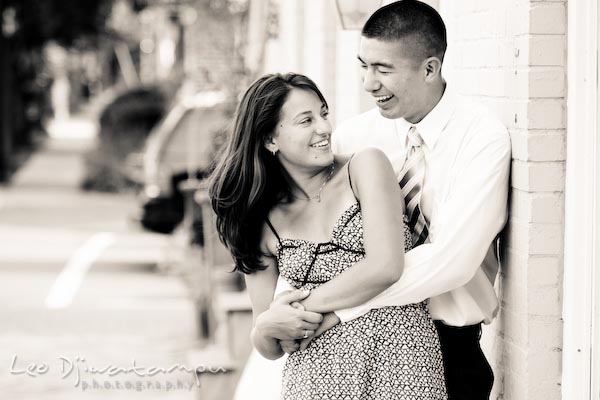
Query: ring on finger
(305, 334)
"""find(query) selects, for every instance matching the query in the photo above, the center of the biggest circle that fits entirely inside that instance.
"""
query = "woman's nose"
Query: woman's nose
(323, 127)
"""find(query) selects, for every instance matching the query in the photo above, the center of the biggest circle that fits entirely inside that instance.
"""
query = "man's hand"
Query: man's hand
(289, 346)
(285, 320)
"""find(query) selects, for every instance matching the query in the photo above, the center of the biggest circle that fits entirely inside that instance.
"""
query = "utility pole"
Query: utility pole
(5, 115)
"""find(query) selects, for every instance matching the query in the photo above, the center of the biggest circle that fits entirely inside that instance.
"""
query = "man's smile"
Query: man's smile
(383, 99)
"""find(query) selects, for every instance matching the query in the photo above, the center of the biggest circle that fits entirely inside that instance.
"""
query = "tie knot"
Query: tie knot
(414, 138)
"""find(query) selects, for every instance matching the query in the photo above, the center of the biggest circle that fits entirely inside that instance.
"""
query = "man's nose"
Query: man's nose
(370, 81)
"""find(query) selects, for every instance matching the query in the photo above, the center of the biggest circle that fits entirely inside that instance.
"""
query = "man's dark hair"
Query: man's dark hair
(415, 23)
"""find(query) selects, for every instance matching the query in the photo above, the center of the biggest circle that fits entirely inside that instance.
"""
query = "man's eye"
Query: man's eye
(363, 66)
(325, 114)
(384, 72)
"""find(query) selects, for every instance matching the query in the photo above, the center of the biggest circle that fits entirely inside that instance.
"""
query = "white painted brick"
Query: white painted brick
(545, 271)
(546, 239)
(541, 50)
(515, 355)
(547, 19)
(521, 51)
(515, 328)
(547, 82)
(520, 205)
(519, 144)
(548, 208)
(541, 82)
(545, 334)
(494, 82)
(546, 389)
(547, 145)
(506, 51)
(518, 20)
(547, 50)
(545, 301)
(538, 176)
(519, 175)
(502, 108)
(515, 386)
(481, 53)
(538, 145)
(517, 239)
(547, 176)
(535, 239)
(544, 374)
(515, 379)
(537, 207)
(546, 114)
(474, 6)
(521, 110)
(476, 25)
(514, 265)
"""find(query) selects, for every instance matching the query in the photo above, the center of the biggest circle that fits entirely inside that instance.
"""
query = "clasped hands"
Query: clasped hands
(287, 321)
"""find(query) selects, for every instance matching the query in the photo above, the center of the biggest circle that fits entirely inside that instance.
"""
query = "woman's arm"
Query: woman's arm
(261, 286)
(276, 320)
(382, 208)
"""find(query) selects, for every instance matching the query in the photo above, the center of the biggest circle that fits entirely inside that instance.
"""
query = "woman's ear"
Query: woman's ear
(271, 145)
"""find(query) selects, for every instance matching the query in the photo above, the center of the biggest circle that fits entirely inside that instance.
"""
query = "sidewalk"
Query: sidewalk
(79, 278)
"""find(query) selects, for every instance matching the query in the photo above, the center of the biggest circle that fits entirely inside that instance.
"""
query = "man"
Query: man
(458, 203)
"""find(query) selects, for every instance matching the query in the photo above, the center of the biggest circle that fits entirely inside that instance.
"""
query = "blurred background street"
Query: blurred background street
(111, 114)
(78, 278)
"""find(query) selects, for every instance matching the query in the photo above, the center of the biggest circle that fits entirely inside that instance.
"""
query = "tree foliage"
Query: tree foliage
(66, 22)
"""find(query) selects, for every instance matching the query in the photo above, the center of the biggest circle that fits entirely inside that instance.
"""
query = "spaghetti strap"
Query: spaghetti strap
(350, 177)
(273, 229)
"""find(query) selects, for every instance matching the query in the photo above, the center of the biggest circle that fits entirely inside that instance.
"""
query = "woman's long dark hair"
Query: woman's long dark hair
(248, 180)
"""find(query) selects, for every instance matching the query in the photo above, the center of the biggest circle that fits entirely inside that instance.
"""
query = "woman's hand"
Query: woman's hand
(329, 321)
(285, 320)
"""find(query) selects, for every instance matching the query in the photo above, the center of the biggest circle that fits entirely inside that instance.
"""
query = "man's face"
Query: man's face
(395, 80)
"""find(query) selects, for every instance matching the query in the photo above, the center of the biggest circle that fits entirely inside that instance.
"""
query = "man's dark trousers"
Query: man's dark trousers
(468, 374)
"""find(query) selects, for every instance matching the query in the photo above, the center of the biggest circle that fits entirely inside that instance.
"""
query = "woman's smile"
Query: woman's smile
(320, 143)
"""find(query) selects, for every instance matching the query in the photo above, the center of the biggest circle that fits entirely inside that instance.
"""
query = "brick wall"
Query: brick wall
(210, 59)
(210, 51)
(511, 56)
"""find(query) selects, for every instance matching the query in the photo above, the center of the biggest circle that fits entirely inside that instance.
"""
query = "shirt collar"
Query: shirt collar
(434, 123)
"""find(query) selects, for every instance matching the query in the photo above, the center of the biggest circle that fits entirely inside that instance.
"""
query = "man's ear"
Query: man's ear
(433, 68)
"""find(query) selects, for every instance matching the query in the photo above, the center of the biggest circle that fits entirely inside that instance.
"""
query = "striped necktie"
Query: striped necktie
(411, 186)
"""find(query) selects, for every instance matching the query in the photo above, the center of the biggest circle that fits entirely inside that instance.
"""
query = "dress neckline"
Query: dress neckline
(338, 223)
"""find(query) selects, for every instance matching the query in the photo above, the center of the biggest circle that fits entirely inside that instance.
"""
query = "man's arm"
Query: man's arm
(469, 220)
(275, 320)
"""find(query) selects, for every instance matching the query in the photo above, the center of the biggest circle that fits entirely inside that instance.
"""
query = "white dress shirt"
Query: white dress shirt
(464, 199)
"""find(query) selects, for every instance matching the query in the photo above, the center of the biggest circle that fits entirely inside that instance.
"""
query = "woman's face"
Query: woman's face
(303, 134)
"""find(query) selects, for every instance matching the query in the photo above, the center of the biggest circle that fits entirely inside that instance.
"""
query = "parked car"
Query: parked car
(181, 146)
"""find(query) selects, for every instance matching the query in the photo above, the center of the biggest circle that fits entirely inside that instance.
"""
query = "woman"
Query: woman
(330, 225)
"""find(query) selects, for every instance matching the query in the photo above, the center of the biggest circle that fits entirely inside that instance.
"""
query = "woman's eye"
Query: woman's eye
(305, 120)
(325, 114)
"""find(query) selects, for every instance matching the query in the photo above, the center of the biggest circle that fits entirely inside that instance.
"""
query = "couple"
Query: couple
(390, 294)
